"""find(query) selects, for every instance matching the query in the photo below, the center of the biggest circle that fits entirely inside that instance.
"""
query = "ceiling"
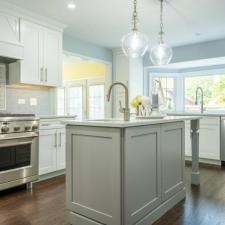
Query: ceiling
(105, 21)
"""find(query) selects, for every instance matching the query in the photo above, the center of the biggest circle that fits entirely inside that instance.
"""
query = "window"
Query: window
(166, 89)
(214, 92)
(60, 101)
(75, 101)
(83, 98)
(96, 101)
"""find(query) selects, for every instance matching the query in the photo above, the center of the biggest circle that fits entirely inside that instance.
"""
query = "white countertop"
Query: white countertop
(132, 123)
(55, 117)
(216, 114)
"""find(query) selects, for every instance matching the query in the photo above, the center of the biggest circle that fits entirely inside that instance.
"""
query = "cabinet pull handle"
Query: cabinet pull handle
(46, 74)
(42, 73)
(56, 140)
(60, 139)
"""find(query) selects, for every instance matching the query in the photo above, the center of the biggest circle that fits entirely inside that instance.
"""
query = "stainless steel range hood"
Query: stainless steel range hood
(10, 52)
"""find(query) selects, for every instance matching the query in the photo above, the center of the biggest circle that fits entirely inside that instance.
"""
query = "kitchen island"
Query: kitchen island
(126, 173)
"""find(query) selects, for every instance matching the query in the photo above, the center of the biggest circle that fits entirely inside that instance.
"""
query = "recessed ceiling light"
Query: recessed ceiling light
(71, 4)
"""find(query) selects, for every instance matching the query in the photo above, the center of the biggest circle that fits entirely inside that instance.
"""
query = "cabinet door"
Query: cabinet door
(209, 138)
(142, 172)
(52, 58)
(47, 151)
(172, 141)
(30, 70)
(61, 149)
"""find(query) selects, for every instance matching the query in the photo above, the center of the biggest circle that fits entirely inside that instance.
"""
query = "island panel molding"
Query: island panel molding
(172, 159)
(142, 183)
(93, 173)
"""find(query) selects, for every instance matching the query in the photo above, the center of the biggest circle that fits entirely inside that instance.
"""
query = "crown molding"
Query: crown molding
(13, 10)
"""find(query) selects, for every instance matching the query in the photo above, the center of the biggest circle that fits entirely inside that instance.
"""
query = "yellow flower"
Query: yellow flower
(136, 101)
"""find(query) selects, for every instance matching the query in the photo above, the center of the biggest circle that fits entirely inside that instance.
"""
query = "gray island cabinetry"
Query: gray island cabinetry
(124, 173)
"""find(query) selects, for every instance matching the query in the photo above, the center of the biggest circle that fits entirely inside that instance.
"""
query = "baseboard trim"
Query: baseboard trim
(51, 175)
(163, 208)
(147, 220)
(188, 159)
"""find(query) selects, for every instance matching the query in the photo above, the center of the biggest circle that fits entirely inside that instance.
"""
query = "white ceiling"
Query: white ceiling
(105, 21)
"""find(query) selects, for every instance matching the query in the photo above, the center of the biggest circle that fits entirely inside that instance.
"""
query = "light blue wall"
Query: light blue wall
(86, 48)
(206, 50)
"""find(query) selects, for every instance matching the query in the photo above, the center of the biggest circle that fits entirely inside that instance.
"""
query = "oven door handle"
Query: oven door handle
(7, 138)
(15, 144)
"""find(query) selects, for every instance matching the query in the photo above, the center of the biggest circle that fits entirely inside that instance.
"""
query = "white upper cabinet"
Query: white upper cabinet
(52, 53)
(30, 35)
(42, 64)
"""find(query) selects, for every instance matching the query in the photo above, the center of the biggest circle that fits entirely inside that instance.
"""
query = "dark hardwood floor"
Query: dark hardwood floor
(204, 205)
(45, 205)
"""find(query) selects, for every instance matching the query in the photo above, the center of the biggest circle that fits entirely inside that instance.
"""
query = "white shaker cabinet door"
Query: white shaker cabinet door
(61, 149)
(209, 138)
(30, 37)
(52, 58)
(47, 151)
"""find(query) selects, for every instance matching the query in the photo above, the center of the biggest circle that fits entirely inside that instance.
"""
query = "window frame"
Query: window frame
(93, 82)
(84, 83)
(164, 75)
(180, 81)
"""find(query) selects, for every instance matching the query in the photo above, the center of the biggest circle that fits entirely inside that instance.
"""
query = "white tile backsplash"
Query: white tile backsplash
(43, 97)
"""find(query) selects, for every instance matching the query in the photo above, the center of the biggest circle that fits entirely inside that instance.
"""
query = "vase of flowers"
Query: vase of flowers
(142, 105)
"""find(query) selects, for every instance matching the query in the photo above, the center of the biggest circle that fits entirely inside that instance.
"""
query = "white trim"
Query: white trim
(203, 73)
(177, 97)
(108, 77)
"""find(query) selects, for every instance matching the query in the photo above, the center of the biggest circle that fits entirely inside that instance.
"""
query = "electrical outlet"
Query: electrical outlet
(33, 101)
(21, 101)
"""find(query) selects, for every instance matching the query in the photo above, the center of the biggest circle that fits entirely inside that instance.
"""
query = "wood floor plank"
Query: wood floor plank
(45, 205)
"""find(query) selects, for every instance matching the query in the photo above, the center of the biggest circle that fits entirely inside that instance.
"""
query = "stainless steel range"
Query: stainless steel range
(18, 149)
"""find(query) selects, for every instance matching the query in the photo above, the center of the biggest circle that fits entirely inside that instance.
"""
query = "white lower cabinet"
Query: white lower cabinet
(51, 150)
(209, 138)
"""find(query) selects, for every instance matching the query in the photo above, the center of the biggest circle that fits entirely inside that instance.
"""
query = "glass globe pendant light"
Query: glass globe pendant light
(162, 53)
(135, 43)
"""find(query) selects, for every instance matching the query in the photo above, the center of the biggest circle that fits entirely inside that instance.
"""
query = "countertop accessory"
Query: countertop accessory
(142, 105)
(126, 110)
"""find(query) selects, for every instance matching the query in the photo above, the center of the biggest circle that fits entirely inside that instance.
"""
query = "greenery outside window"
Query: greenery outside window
(213, 88)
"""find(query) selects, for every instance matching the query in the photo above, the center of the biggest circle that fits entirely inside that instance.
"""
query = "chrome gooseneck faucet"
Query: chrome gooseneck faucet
(202, 96)
(126, 110)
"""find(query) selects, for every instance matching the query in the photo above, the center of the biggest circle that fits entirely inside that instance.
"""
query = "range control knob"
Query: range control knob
(16, 128)
(34, 127)
(27, 128)
(4, 129)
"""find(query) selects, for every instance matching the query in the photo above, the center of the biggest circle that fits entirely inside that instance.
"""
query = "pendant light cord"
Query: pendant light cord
(161, 33)
(135, 16)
